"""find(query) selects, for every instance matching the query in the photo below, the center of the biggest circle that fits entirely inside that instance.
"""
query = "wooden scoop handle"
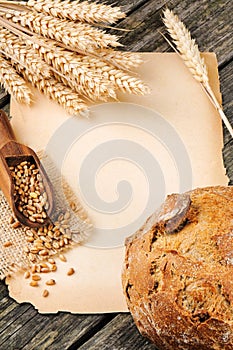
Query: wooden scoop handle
(6, 131)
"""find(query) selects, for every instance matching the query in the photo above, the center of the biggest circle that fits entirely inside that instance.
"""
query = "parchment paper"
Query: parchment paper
(176, 115)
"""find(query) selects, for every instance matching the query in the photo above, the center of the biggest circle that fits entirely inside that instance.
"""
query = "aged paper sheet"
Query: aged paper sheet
(122, 162)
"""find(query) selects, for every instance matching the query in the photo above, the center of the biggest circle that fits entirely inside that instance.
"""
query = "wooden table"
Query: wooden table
(21, 326)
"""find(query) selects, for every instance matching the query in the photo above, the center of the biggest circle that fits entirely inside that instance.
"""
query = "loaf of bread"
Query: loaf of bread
(178, 272)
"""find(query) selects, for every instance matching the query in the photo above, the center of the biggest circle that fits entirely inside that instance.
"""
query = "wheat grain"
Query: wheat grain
(189, 52)
(15, 48)
(34, 284)
(77, 36)
(62, 258)
(27, 274)
(13, 83)
(90, 12)
(45, 293)
(70, 272)
(56, 91)
(7, 244)
(50, 282)
(29, 192)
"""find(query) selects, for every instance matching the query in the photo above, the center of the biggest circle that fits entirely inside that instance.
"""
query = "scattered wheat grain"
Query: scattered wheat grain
(7, 244)
(27, 274)
(70, 271)
(45, 293)
(34, 284)
(50, 282)
(36, 278)
(62, 258)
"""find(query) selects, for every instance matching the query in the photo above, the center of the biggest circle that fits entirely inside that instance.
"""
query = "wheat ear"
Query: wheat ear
(56, 91)
(78, 36)
(120, 59)
(84, 11)
(94, 77)
(16, 48)
(70, 65)
(120, 79)
(13, 82)
(190, 53)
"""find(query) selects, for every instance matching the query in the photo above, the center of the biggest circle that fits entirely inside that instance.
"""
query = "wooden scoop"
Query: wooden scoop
(13, 153)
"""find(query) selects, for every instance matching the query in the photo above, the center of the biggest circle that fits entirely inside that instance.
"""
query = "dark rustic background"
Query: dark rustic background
(21, 327)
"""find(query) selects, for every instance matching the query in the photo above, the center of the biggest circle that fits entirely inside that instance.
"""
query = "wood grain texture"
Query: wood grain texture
(119, 334)
(21, 326)
(206, 19)
(226, 84)
(227, 93)
(126, 6)
(211, 23)
(4, 97)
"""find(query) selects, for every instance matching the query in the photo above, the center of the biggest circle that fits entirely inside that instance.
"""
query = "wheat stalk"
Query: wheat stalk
(17, 49)
(189, 52)
(13, 83)
(90, 12)
(78, 36)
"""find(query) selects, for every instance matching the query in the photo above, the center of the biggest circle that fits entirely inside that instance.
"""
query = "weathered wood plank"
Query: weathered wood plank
(226, 83)
(3, 290)
(16, 325)
(4, 97)
(227, 93)
(11, 312)
(61, 331)
(119, 334)
(126, 6)
(208, 21)
(46, 331)
(6, 108)
(228, 160)
(21, 326)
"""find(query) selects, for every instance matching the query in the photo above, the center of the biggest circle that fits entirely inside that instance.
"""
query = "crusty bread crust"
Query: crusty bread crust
(178, 272)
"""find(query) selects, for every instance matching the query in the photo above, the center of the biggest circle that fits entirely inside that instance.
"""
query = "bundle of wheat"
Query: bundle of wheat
(61, 48)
